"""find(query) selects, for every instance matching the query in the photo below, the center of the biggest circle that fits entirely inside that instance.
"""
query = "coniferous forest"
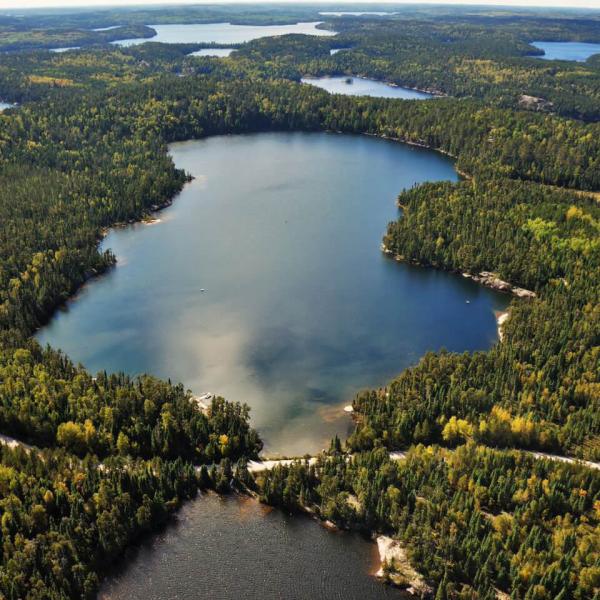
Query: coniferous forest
(106, 458)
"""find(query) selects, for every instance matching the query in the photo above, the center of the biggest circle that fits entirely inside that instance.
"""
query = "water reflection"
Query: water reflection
(265, 283)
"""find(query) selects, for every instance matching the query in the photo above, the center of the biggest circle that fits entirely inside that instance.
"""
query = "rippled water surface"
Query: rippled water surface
(264, 282)
(232, 549)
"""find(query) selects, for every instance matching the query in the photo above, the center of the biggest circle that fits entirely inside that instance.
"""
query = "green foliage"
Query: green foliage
(65, 521)
(474, 519)
(540, 388)
(88, 150)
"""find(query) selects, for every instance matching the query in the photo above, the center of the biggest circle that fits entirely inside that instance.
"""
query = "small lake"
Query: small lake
(222, 33)
(232, 548)
(360, 86)
(61, 50)
(218, 52)
(109, 28)
(264, 282)
(577, 51)
(6, 106)
(336, 50)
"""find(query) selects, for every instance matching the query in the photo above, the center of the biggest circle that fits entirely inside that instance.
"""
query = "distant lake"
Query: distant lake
(219, 52)
(61, 50)
(107, 28)
(5, 106)
(349, 13)
(336, 50)
(265, 283)
(223, 33)
(364, 87)
(232, 548)
(577, 51)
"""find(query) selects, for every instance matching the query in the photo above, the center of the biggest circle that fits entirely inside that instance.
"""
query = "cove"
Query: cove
(223, 33)
(577, 51)
(361, 86)
(264, 282)
(231, 548)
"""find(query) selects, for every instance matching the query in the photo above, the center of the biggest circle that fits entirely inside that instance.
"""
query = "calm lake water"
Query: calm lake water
(218, 52)
(5, 105)
(224, 33)
(232, 548)
(577, 51)
(265, 283)
(364, 87)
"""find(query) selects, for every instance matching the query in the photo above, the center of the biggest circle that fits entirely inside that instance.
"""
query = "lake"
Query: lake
(336, 50)
(218, 52)
(61, 50)
(577, 51)
(350, 13)
(5, 106)
(361, 86)
(264, 282)
(231, 548)
(222, 33)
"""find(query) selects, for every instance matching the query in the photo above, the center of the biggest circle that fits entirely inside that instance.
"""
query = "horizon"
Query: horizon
(25, 5)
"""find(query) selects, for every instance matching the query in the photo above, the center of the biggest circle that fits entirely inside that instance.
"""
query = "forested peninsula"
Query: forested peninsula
(113, 456)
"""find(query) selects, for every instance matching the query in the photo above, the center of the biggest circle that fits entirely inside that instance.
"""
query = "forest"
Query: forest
(113, 456)
(477, 522)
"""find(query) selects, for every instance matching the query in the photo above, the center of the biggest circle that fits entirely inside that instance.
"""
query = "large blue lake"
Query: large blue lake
(264, 282)
(577, 51)
(223, 33)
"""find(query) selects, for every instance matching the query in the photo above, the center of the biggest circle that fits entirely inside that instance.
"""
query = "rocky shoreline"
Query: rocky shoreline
(485, 278)
(491, 280)
(397, 570)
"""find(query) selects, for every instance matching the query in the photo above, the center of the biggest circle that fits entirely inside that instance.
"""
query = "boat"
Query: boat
(349, 80)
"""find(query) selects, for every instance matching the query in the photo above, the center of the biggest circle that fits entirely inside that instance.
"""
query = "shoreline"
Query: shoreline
(484, 278)
(396, 568)
(146, 216)
(501, 318)
(431, 92)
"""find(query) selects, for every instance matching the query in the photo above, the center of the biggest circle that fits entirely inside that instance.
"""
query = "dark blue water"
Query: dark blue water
(577, 51)
(300, 308)
(360, 86)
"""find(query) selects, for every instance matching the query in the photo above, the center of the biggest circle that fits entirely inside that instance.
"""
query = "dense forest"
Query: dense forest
(477, 522)
(114, 455)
